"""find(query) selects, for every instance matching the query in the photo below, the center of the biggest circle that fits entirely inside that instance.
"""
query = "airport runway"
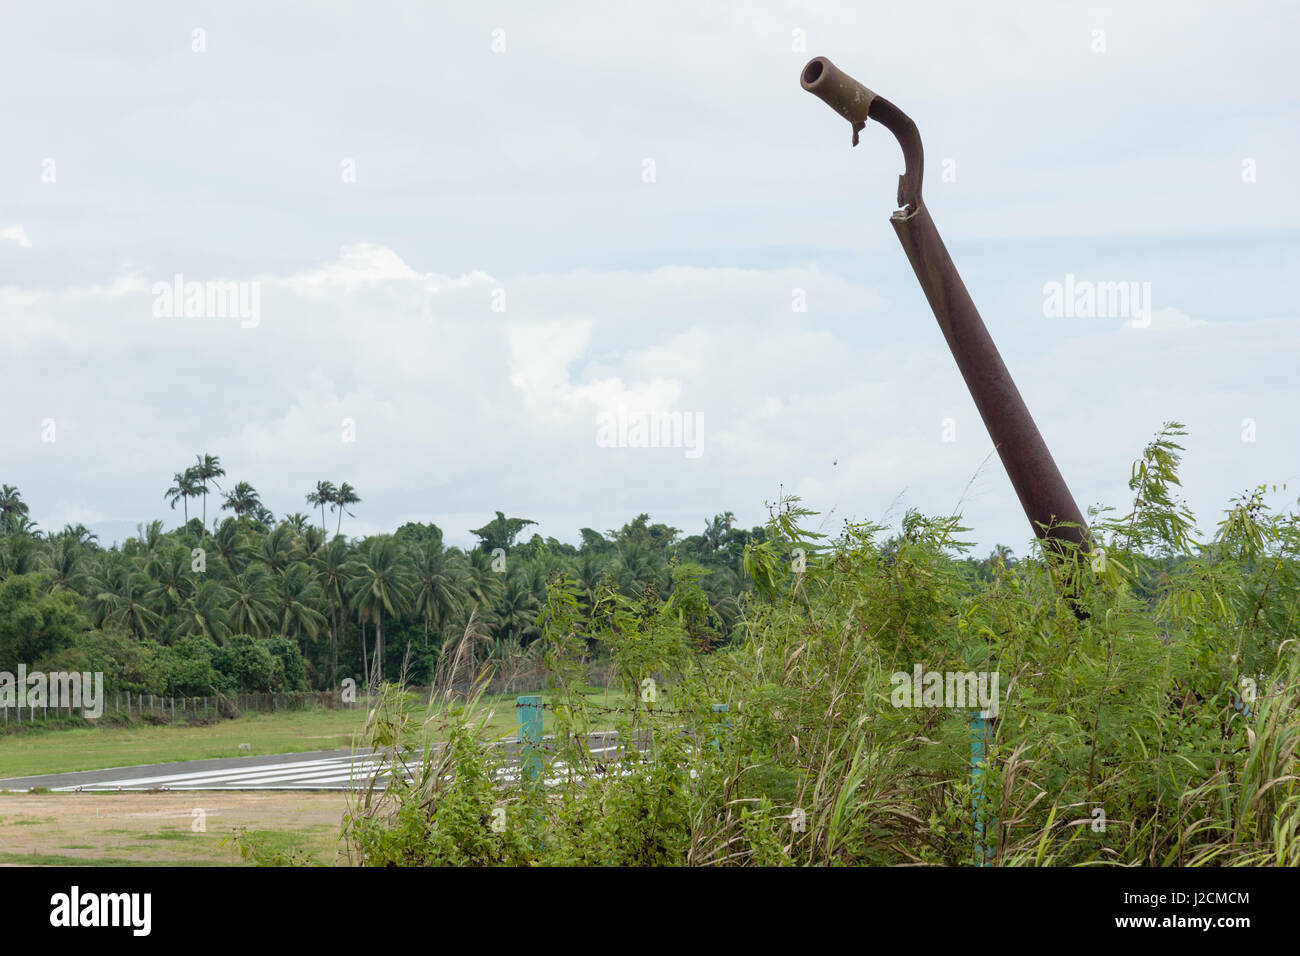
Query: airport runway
(316, 770)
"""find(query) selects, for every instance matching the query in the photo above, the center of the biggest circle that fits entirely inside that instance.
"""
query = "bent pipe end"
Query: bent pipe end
(857, 104)
(838, 90)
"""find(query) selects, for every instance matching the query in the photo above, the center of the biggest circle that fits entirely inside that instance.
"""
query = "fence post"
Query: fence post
(721, 709)
(528, 714)
(981, 722)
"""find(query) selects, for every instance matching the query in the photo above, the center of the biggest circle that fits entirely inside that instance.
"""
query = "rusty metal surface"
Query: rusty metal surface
(839, 91)
(1043, 493)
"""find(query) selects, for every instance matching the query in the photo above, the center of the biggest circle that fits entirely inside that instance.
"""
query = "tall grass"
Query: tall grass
(1161, 727)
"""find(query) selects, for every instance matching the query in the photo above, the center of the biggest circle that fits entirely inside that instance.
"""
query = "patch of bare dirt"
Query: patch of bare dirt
(178, 827)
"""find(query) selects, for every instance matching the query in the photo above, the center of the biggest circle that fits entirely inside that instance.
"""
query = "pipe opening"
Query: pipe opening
(812, 72)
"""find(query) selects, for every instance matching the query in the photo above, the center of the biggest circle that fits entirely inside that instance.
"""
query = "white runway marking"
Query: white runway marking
(327, 773)
(336, 772)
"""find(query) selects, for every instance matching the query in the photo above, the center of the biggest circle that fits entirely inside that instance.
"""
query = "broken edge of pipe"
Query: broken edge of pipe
(856, 103)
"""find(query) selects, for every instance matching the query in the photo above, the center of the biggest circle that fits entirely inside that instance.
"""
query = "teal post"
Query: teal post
(528, 714)
(980, 725)
(720, 709)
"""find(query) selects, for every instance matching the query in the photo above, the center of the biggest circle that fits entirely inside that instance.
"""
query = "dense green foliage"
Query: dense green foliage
(1159, 727)
(164, 611)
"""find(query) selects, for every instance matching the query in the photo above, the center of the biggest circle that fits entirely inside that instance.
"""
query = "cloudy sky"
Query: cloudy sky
(472, 228)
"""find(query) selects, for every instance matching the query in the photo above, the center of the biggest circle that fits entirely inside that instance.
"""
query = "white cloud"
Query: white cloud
(464, 409)
(518, 175)
(362, 262)
(16, 234)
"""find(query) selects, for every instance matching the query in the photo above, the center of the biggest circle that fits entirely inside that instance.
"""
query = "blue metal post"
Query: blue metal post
(720, 709)
(528, 714)
(980, 725)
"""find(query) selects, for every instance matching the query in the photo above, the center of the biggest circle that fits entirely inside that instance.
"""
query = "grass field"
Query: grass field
(161, 829)
(96, 748)
(38, 751)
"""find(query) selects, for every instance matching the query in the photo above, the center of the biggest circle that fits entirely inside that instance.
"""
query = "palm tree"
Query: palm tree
(276, 549)
(12, 507)
(515, 611)
(147, 538)
(480, 583)
(105, 575)
(322, 496)
(205, 612)
(253, 600)
(184, 487)
(331, 564)
(298, 521)
(721, 586)
(66, 566)
(437, 586)
(715, 531)
(309, 541)
(381, 582)
(23, 526)
(363, 616)
(242, 499)
(638, 566)
(124, 603)
(208, 469)
(232, 546)
(344, 496)
(299, 597)
(169, 569)
(19, 554)
(588, 573)
(79, 534)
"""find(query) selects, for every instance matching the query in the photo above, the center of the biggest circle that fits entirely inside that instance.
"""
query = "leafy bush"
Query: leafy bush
(129, 665)
(190, 668)
(1160, 725)
(291, 669)
(35, 625)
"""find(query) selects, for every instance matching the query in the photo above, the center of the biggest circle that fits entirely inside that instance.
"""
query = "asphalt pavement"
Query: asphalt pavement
(315, 770)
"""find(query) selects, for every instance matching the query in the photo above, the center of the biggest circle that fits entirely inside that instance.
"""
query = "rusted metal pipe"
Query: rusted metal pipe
(1043, 494)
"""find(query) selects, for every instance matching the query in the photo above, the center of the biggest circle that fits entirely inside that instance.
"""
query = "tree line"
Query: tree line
(319, 606)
